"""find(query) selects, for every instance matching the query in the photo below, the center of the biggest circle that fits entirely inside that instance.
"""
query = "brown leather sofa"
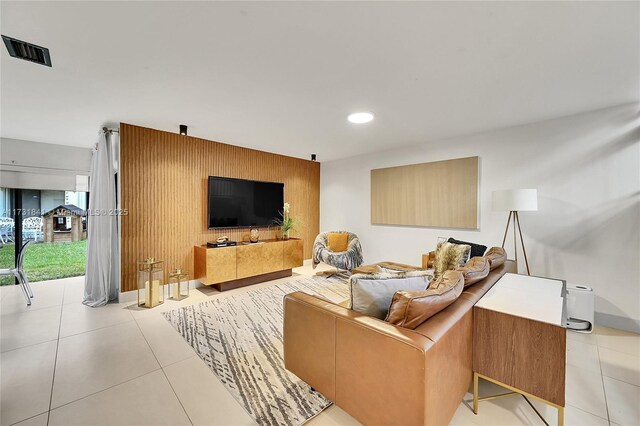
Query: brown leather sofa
(379, 373)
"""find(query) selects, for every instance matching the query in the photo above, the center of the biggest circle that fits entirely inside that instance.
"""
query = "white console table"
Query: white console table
(519, 339)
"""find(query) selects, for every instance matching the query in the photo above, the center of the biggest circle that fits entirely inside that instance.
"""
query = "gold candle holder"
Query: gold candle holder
(151, 280)
(175, 288)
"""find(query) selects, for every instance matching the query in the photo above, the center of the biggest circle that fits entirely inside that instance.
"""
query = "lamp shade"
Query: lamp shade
(515, 200)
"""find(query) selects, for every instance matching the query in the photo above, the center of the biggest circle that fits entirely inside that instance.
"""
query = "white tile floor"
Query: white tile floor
(64, 363)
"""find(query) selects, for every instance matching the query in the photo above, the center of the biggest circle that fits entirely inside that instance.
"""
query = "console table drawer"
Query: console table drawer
(261, 258)
(293, 257)
(221, 265)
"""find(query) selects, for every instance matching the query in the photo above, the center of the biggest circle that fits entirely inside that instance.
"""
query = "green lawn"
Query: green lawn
(47, 261)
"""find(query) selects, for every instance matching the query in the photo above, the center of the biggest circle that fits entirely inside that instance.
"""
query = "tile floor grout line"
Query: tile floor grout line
(55, 361)
(618, 352)
(180, 360)
(105, 389)
(586, 412)
(607, 345)
(617, 379)
(117, 384)
(29, 418)
(579, 340)
(620, 380)
(604, 389)
(28, 346)
(164, 373)
(3, 314)
(96, 329)
(176, 394)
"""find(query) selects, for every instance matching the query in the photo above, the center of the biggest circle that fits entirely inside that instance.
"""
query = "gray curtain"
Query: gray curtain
(101, 283)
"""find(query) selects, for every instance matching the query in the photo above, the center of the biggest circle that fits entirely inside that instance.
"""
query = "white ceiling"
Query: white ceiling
(282, 77)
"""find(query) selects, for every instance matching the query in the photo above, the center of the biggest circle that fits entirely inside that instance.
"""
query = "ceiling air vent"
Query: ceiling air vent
(27, 51)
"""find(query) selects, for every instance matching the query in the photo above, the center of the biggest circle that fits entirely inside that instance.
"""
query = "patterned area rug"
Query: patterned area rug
(240, 339)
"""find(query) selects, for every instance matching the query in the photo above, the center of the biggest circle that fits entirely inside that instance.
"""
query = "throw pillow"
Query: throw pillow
(476, 269)
(383, 270)
(496, 257)
(409, 309)
(450, 256)
(476, 249)
(371, 294)
(337, 241)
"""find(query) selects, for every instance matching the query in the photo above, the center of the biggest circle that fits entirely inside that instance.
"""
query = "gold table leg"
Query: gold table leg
(475, 393)
(515, 391)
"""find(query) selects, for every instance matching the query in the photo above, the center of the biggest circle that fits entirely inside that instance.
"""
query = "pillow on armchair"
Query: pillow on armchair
(409, 309)
(371, 294)
(337, 241)
(450, 256)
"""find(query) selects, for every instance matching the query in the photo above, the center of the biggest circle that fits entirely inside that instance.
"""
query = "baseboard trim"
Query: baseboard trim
(619, 322)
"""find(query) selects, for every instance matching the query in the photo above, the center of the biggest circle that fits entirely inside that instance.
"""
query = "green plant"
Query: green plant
(287, 223)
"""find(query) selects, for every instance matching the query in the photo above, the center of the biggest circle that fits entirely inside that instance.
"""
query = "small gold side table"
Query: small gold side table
(176, 279)
(150, 279)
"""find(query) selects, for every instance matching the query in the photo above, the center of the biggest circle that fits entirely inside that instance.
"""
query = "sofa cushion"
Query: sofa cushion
(371, 294)
(337, 241)
(476, 291)
(436, 327)
(476, 249)
(450, 256)
(476, 269)
(496, 257)
(409, 309)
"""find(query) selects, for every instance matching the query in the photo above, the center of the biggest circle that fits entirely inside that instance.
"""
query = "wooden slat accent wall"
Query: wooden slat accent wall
(441, 194)
(163, 178)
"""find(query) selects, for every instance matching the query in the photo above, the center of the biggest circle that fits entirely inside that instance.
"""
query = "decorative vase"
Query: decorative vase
(255, 235)
(285, 234)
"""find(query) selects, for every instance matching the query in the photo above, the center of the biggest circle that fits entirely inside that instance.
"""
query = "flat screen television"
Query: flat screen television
(239, 203)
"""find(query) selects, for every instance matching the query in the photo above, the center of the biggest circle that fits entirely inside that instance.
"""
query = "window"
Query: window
(56, 223)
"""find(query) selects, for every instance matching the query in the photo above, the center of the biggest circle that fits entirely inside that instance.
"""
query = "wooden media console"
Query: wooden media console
(247, 263)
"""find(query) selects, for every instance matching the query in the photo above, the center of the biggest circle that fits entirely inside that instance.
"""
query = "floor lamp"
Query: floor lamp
(514, 201)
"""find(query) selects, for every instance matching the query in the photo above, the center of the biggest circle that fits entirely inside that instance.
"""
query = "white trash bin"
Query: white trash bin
(580, 308)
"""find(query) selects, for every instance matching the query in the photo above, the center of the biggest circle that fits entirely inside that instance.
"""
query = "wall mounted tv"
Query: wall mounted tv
(239, 203)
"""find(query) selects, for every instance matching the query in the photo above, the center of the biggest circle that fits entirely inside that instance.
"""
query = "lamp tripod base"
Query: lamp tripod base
(516, 223)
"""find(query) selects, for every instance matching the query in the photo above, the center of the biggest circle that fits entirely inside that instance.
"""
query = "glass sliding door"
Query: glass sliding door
(7, 233)
(55, 221)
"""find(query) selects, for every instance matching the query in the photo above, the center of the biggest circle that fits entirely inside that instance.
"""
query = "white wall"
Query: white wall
(587, 172)
(34, 165)
(50, 200)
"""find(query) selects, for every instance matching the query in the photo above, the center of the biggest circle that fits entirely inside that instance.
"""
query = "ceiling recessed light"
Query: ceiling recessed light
(360, 117)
